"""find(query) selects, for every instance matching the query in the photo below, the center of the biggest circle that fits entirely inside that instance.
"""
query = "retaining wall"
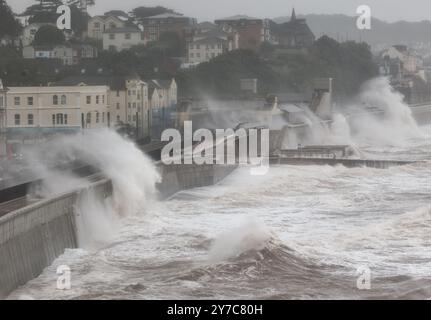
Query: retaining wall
(33, 237)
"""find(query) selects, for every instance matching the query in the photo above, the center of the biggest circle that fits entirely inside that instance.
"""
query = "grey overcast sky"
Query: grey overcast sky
(389, 10)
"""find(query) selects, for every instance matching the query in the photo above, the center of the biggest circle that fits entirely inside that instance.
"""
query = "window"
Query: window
(191, 46)
(129, 92)
(118, 106)
(59, 118)
(88, 99)
(134, 92)
(29, 101)
(130, 119)
(63, 99)
(88, 117)
(192, 55)
(118, 119)
(112, 25)
(118, 93)
(103, 117)
(30, 119)
(97, 25)
(97, 117)
(128, 36)
(55, 100)
(53, 119)
(17, 119)
(65, 118)
(129, 105)
(134, 118)
(17, 101)
(1, 101)
(112, 36)
(97, 99)
(134, 105)
(103, 99)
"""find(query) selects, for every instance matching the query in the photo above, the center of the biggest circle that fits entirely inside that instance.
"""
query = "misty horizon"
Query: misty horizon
(384, 10)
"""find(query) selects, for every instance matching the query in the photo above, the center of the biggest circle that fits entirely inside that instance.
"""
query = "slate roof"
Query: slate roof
(115, 83)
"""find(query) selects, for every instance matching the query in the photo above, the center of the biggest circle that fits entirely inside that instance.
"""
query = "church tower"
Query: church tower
(293, 18)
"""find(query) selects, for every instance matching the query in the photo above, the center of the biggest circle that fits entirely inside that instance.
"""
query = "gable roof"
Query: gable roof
(295, 27)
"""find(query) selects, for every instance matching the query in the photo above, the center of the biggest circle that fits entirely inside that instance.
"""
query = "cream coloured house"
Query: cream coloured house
(54, 109)
(123, 38)
(99, 24)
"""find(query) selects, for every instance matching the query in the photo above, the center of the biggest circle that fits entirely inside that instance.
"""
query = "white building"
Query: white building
(33, 110)
(205, 49)
(99, 24)
(122, 38)
(148, 106)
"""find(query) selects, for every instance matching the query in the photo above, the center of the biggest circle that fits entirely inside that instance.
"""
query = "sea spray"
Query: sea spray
(377, 116)
(252, 234)
(381, 117)
(132, 174)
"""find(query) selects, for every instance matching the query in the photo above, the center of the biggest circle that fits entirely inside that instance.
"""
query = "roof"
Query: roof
(43, 48)
(115, 83)
(210, 39)
(159, 84)
(123, 30)
(238, 17)
(297, 27)
(207, 25)
(291, 108)
(218, 33)
(105, 17)
(290, 97)
(53, 89)
(166, 15)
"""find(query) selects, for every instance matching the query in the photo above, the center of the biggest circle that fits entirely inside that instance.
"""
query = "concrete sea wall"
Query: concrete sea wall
(33, 237)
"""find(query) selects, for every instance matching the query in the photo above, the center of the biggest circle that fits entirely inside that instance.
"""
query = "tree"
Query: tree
(45, 11)
(8, 24)
(266, 49)
(48, 35)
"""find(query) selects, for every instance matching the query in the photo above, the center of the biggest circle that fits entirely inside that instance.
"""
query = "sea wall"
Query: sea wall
(33, 237)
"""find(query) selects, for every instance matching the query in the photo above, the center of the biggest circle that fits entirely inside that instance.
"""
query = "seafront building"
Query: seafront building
(146, 107)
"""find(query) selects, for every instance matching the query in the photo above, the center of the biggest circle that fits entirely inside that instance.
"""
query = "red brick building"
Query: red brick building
(155, 26)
